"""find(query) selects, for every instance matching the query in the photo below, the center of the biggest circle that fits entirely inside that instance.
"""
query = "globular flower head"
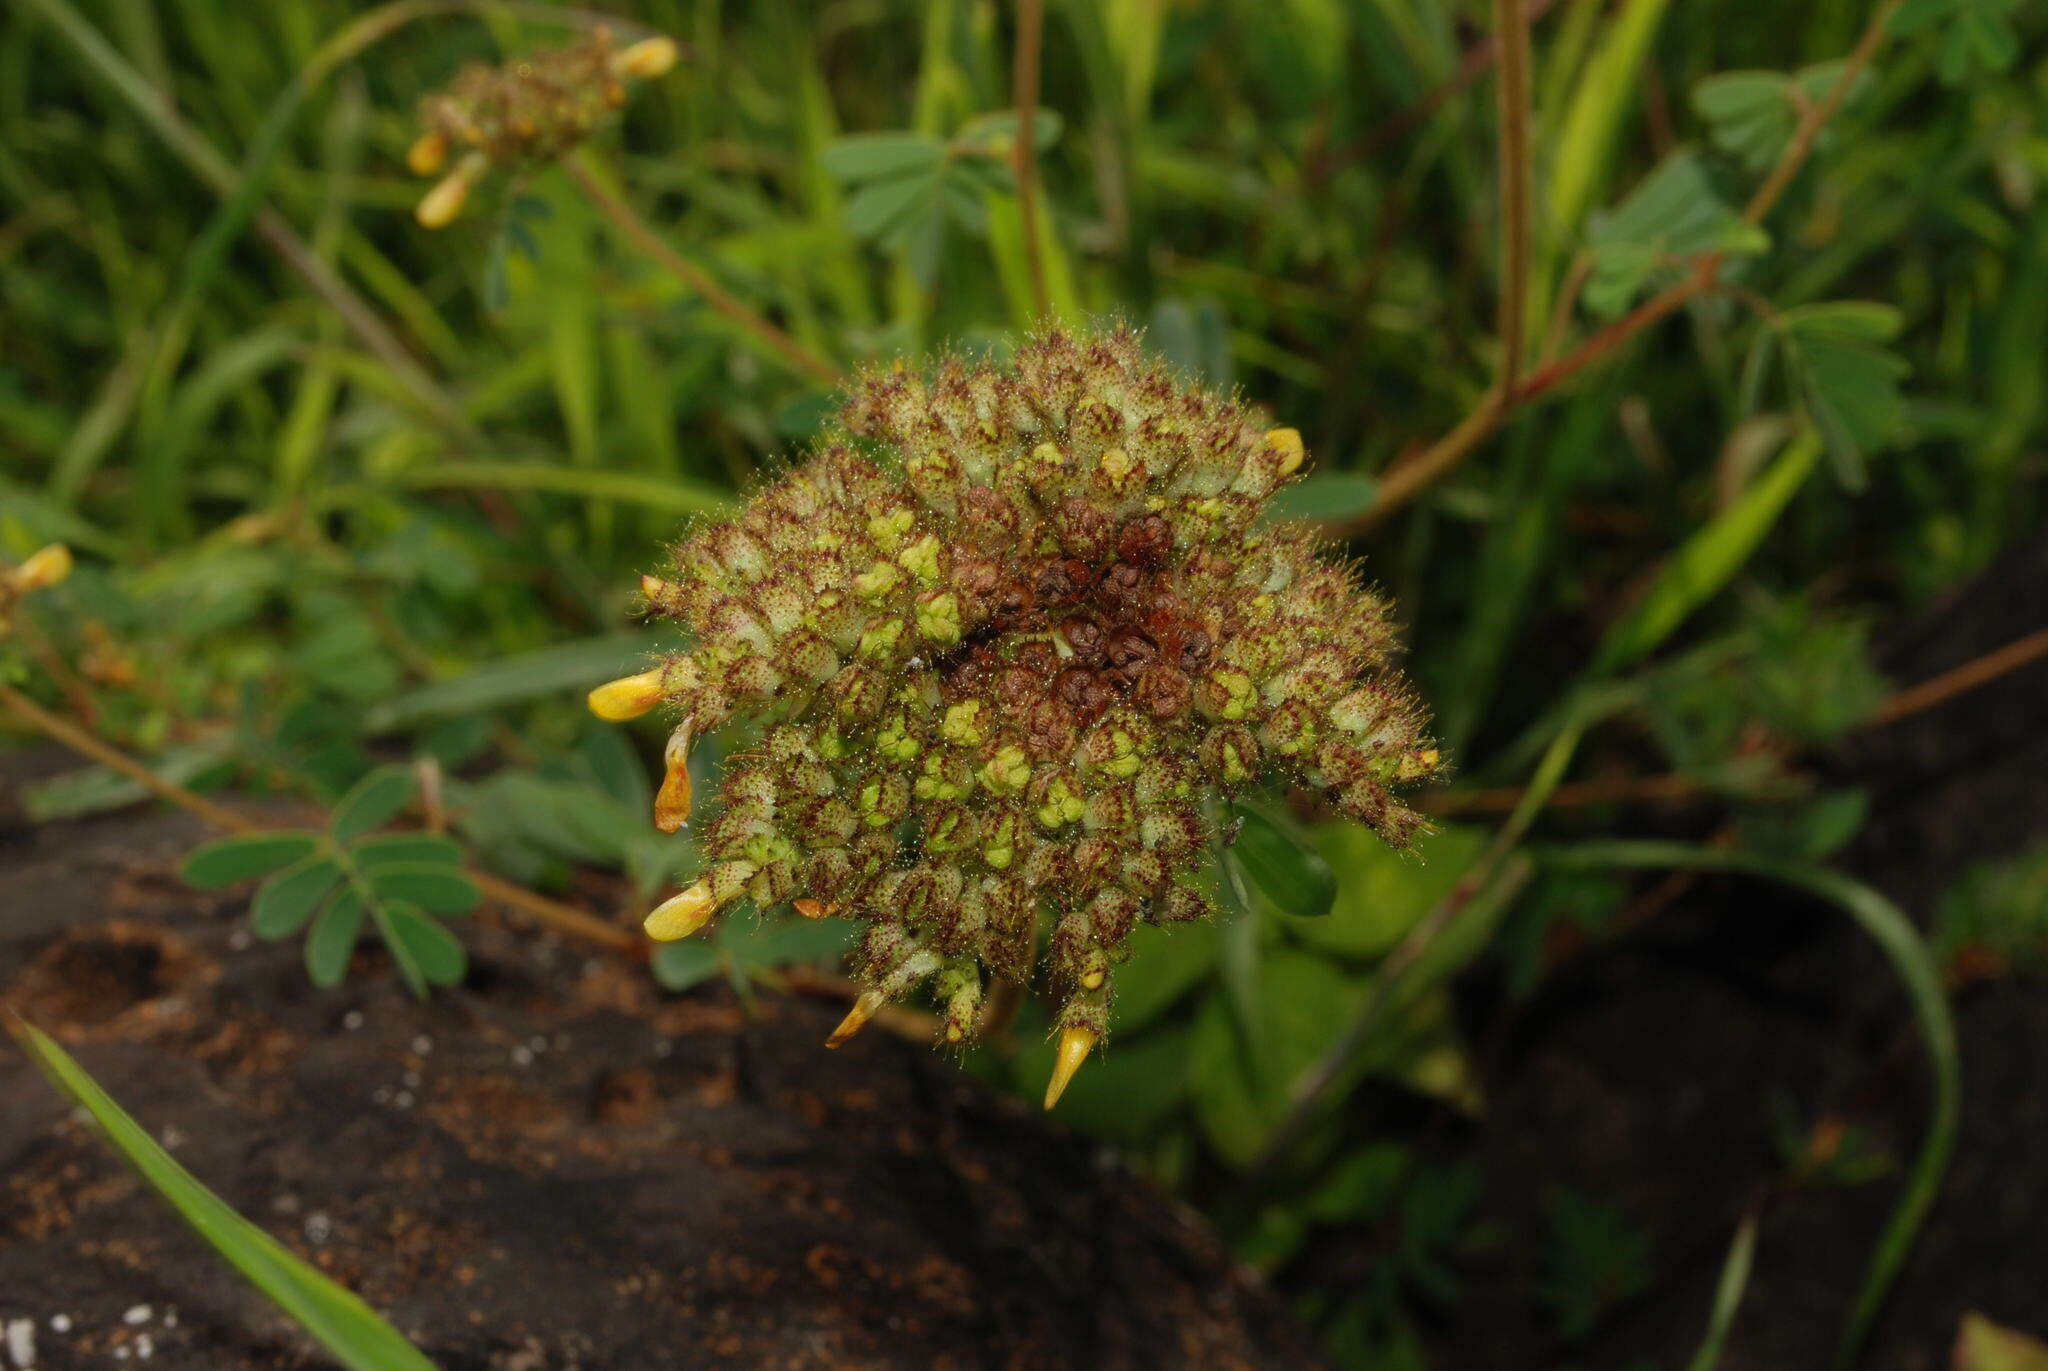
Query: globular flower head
(1011, 631)
(525, 112)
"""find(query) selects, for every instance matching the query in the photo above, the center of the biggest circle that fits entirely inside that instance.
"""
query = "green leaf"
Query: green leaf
(229, 860)
(1241, 1093)
(1673, 215)
(1751, 115)
(374, 801)
(1708, 559)
(332, 1315)
(333, 939)
(426, 952)
(680, 965)
(96, 790)
(517, 679)
(1381, 893)
(1165, 964)
(1332, 495)
(285, 901)
(1281, 865)
(877, 156)
(433, 888)
(413, 849)
(1852, 391)
(885, 208)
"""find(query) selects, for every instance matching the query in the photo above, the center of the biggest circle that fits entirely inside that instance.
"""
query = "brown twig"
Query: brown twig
(1511, 28)
(1408, 479)
(690, 274)
(1024, 95)
(1972, 674)
(1903, 704)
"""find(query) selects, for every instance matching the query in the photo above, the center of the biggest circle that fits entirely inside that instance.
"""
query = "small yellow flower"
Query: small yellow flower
(43, 569)
(1287, 442)
(428, 153)
(439, 206)
(628, 697)
(648, 58)
(1075, 1045)
(672, 802)
(681, 915)
(857, 1017)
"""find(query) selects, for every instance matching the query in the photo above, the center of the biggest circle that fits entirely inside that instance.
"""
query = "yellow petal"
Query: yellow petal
(628, 697)
(681, 915)
(429, 152)
(672, 803)
(648, 58)
(43, 568)
(857, 1017)
(1075, 1045)
(439, 206)
(1287, 442)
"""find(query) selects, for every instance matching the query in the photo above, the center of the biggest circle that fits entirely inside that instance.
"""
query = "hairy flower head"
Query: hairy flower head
(531, 110)
(1009, 633)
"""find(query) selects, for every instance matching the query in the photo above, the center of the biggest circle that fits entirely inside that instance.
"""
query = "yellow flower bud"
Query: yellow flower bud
(648, 58)
(681, 915)
(43, 569)
(1075, 1045)
(628, 697)
(1287, 443)
(857, 1017)
(438, 208)
(672, 803)
(429, 152)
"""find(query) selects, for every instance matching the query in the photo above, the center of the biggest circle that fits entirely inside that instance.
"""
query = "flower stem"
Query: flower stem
(1024, 95)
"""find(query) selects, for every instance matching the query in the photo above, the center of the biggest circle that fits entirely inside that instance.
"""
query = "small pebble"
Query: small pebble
(21, 1342)
(352, 1020)
(137, 1314)
(60, 1323)
(318, 1228)
(522, 1056)
(538, 1043)
(145, 1347)
(412, 1080)
(422, 1045)
(403, 1099)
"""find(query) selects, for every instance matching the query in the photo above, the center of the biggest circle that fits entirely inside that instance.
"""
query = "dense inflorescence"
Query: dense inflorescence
(1012, 631)
(528, 111)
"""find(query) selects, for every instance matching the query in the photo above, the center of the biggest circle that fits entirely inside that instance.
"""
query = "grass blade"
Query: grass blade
(1709, 558)
(1728, 1294)
(334, 1316)
(1900, 942)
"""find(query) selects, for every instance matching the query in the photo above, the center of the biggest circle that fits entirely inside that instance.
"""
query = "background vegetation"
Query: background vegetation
(1760, 366)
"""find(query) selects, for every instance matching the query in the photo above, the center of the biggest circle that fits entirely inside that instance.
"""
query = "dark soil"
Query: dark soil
(552, 1168)
(1646, 1069)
